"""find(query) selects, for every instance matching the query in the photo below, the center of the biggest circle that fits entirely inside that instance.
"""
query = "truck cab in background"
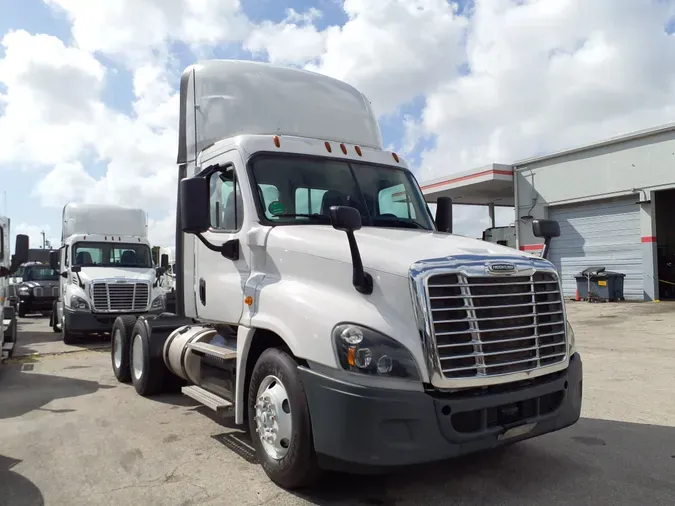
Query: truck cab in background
(105, 268)
(8, 265)
(320, 301)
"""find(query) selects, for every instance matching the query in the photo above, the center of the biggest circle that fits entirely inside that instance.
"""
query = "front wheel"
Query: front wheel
(53, 319)
(279, 421)
(22, 310)
(68, 337)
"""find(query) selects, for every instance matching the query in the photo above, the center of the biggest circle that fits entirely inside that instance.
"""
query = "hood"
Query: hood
(389, 250)
(128, 273)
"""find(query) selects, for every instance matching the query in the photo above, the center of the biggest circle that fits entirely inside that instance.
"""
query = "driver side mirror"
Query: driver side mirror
(20, 251)
(444, 214)
(545, 228)
(195, 216)
(54, 260)
(345, 219)
(164, 261)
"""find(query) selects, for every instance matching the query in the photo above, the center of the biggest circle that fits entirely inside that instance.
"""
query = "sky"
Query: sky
(89, 105)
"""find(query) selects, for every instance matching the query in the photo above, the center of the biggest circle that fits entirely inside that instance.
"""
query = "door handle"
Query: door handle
(202, 291)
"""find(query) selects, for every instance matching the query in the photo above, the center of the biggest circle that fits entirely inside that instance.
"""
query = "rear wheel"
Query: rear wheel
(148, 374)
(279, 421)
(121, 342)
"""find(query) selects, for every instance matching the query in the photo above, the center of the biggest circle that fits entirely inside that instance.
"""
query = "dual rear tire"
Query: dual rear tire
(278, 413)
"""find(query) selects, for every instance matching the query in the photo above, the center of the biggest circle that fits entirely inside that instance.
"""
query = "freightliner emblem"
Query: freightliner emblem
(501, 268)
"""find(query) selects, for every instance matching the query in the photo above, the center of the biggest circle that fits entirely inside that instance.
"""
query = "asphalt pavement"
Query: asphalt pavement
(71, 435)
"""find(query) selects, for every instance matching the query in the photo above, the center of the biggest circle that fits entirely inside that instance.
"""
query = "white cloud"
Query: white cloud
(52, 99)
(550, 74)
(138, 31)
(536, 76)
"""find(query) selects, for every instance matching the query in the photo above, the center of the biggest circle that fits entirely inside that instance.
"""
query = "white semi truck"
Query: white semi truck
(106, 270)
(346, 327)
(8, 265)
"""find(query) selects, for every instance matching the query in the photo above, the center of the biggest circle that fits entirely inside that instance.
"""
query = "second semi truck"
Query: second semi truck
(105, 268)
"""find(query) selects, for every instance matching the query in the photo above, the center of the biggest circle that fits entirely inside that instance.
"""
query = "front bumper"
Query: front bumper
(86, 322)
(381, 428)
(31, 302)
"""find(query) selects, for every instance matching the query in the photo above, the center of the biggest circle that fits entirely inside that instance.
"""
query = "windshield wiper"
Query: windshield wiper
(315, 217)
(398, 221)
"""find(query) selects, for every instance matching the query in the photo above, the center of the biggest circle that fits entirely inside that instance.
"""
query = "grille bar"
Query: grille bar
(120, 297)
(486, 325)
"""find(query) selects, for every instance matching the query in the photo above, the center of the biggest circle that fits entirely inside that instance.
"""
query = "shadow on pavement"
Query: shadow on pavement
(36, 337)
(593, 462)
(14, 488)
(23, 392)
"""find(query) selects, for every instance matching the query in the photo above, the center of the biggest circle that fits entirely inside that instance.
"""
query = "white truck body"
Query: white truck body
(285, 193)
(106, 269)
(8, 316)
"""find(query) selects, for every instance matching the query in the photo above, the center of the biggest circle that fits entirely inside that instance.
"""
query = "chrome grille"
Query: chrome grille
(488, 326)
(45, 291)
(117, 297)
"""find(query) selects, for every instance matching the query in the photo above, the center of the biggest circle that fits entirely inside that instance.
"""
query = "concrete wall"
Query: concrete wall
(602, 172)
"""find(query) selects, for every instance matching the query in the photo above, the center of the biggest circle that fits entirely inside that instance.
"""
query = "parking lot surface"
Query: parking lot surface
(70, 434)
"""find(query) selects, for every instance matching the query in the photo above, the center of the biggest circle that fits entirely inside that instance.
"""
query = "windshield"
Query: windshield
(40, 273)
(107, 254)
(301, 190)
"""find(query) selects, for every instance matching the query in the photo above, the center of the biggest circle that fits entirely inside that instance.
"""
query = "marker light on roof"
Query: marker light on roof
(395, 157)
(328, 148)
(343, 148)
(358, 150)
(277, 142)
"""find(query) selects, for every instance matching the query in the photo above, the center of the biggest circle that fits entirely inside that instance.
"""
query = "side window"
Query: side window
(2, 243)
(308, 200)
(395, 200)
(227, 210)
(65, 261)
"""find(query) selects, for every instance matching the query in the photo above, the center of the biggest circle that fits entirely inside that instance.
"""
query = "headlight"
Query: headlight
(158, 302)
(24, 290)
(571, 344)
(78, 303)
(363, 350)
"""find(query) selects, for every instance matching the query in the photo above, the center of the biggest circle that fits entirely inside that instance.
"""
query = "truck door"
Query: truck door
(219, 281)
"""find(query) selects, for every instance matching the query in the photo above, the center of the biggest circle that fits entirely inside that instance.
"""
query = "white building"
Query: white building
(614, 200)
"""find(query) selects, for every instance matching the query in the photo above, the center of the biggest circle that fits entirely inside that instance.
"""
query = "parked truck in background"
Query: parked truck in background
(343, 323)
(8, 265)
(105, 268)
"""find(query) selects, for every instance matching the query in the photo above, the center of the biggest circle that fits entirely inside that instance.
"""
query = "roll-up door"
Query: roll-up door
(599, 233)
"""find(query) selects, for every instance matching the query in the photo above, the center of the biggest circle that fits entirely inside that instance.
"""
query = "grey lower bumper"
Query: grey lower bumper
(382, 428)
(91, 323)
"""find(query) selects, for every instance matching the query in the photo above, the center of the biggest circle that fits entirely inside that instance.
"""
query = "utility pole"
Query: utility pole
(44, 239)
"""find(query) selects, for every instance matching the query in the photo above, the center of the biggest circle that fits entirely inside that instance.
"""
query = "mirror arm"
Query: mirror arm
(229, 250)
(362, 281)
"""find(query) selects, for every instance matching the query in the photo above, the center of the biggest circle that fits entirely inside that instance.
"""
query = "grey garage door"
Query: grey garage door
(602, 233)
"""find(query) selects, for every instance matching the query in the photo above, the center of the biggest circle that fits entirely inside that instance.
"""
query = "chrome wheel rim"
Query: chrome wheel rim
(137, 356)
(273, 420)
(117, 348)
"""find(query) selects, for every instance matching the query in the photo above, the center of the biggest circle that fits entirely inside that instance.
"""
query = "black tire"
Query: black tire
(124, 325)
(67, 335)
(298, 468)
(53, 317)
(153, 376)
(21, 310)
